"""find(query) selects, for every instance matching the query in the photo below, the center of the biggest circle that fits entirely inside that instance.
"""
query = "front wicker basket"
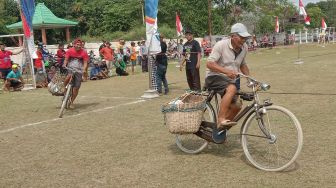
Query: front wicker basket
(184, 117)
(56, 86)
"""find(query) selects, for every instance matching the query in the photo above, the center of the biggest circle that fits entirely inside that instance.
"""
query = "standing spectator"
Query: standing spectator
(192, 57)
(5, 60)
(162, 63)
(144, 56)
(69, 45)
(60, 57)
(273, 41)
(180, 52)
(108, 54)
(133, 56)
(14, 79)
(137, 48)
(38, 62)
(254, 42)
(102, 46)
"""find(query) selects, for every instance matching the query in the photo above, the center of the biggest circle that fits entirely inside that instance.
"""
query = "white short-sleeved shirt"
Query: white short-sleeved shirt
(223, 54)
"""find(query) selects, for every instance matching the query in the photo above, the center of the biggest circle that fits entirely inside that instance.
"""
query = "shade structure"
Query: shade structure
(44, 19)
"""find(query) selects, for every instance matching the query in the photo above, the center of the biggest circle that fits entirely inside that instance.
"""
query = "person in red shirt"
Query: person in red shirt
(108, 54)
(38, 62)
(5, 60)
(76, 58)
(60, 57)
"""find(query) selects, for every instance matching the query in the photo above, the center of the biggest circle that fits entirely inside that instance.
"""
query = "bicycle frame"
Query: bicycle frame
(254, 107)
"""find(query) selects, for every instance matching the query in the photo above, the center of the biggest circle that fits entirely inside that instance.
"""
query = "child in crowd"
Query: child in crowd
(133, 57)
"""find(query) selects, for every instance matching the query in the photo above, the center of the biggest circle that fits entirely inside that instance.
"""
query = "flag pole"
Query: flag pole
(298, 60)
(151, 92)
(25, 44)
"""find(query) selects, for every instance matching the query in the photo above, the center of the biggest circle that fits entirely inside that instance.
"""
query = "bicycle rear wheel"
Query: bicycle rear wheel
(65, 101)
(284, 145)
(191, 143)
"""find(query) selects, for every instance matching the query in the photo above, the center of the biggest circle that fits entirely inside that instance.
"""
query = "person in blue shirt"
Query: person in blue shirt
(14, 79)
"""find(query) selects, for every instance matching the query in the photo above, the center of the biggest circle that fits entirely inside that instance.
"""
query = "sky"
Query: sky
(305, 2)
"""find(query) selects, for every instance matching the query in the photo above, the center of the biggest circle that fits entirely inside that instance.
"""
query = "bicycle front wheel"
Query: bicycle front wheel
(191, 143)
(273, 142)
(65, 101)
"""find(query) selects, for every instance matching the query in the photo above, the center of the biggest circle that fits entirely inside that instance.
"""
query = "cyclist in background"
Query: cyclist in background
(77, 59)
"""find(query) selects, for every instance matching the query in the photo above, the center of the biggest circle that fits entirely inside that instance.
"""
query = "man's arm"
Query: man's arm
(217, 68)
(244, 69)
(85, 65)
(198, 65)
(22, 81)
(198, 50)
(17, 52)
(66, 60)
(182, 63)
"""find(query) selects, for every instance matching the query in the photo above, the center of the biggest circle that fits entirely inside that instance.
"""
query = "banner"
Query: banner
(27, 9)
(179, 27)
(152, 34)
(323, 24)
(303, 12)
(276, 25)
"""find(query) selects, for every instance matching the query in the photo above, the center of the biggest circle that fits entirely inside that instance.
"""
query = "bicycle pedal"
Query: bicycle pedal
(219, 136)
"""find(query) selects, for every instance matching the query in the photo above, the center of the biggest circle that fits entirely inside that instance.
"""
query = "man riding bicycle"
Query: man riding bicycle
(226, 60)
(75, 59)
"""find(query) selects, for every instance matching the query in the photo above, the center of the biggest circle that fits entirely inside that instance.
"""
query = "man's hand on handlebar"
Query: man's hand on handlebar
(231, 74)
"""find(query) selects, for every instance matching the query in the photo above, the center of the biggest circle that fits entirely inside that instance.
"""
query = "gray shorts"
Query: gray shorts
(77, 79)
(219, 83)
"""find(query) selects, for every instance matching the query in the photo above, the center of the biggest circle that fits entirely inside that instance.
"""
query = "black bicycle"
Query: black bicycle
(271, 136)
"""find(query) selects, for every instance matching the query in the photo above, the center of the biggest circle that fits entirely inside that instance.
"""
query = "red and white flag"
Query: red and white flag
(323, 24)
(179, 27)
(303, 12)
(276, 24)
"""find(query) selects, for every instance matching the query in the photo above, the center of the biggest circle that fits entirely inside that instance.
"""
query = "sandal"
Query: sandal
(226, 124)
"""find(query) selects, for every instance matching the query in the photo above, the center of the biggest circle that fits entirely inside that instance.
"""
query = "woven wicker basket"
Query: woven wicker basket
(56, 86)
(186, 117)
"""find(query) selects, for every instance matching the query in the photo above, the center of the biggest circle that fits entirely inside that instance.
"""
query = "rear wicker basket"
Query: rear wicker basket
(184, 117)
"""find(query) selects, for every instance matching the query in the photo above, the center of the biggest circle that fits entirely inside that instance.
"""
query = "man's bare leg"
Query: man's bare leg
(225, 103)
(233, 110)
(74, 94)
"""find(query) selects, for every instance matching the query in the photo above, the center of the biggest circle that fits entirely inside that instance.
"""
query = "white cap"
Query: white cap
(240, 29)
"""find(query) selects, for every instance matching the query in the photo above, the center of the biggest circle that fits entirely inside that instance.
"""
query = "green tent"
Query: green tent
(44, 19)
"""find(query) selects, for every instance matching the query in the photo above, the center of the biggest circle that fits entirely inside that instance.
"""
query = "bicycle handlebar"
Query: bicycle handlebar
(254, 82)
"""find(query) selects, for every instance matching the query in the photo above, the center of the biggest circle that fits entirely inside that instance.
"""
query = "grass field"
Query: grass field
(115, 139)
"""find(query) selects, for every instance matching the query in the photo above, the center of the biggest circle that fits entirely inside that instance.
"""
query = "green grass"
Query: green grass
(127, 145)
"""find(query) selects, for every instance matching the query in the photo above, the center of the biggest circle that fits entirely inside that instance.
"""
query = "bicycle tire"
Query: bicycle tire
(191, 143)
(65, 101)
(284, 136)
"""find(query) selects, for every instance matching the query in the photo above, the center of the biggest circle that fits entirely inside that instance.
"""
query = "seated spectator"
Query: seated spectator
(104, 71)
(120, 66)
(41, 79)
(94, 71)
(51, 73)
(14, 79)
